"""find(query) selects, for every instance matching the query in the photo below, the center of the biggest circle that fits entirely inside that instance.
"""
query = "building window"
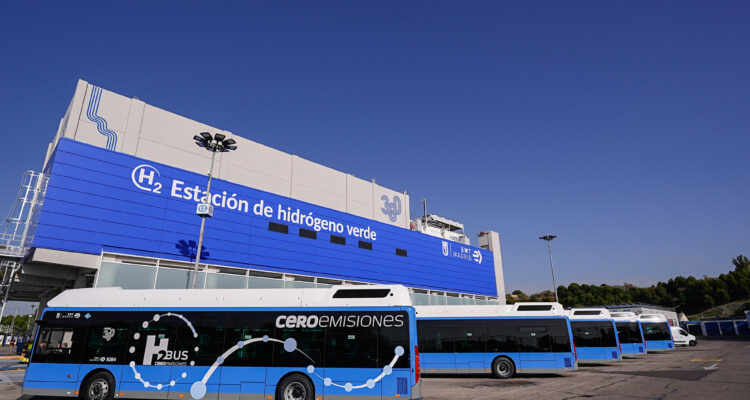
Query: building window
(401, 252)
(365, 245)
(310, 234)
(281, 228)
(338, 239)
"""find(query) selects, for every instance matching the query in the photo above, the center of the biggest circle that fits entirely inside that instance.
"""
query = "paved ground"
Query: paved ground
(11, 375)
(712, 370)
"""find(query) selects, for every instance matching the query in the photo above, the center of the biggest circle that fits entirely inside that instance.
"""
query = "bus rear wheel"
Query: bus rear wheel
(295, 387)
(100, 386)
(503, 368)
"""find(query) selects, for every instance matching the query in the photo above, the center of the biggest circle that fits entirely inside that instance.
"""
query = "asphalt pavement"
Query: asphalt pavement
(712, 370)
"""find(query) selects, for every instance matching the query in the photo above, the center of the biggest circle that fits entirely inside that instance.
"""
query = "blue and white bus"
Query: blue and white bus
(629, 333)
(656, 333)
(595, 335)
(345, 342)
(502, 340)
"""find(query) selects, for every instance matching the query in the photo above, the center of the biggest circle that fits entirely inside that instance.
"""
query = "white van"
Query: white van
(681, 337)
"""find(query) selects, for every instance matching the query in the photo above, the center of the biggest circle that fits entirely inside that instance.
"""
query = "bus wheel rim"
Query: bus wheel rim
(295, 391)
(503, 368)
(99, 389)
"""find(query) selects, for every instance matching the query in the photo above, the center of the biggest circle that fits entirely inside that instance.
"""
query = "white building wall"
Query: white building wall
(149, 132)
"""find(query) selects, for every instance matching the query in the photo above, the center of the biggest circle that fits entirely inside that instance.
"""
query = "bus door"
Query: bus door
(534, 348)
(468, 339)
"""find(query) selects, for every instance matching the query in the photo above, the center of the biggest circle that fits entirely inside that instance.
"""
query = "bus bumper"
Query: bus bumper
(416, 390)
(29, 390)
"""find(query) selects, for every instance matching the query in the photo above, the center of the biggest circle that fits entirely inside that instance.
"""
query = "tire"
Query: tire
(503, 368)
(693, 343)
(100, 386)
(295, 387)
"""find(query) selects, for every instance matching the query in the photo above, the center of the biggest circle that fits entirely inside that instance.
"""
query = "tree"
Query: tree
(741, 263)
(688, 294)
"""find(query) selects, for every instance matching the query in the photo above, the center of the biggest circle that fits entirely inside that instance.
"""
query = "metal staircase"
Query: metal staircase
(17, 230)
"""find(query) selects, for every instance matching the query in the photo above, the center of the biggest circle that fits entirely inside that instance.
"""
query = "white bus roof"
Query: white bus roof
(589, 313)
(337, 296)
(624, 316)
(510, 310)
(652, 318)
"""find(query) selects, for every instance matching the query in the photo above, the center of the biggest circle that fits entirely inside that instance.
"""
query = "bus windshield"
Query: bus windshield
(594, 333)
(656, 331)
(628, 332)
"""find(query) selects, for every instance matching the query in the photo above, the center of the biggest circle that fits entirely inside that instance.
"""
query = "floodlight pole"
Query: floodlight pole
(203, 222)
(548, 239)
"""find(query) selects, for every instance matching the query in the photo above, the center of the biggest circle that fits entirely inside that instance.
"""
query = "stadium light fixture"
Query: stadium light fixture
(217, 143)
(548, 239)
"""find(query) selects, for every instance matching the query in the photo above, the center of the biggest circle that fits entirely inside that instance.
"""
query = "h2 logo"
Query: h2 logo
(161, 351)
(144, 178)
(391, 208)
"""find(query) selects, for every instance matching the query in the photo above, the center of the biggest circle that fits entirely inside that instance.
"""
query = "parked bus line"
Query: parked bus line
(595, 335)
(656, 333)
(629, 333)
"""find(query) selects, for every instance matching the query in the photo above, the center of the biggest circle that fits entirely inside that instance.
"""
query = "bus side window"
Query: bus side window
(586, 334)
(501, 336)
(533, 339)
(309, 341)
(246, 326)
(468, 337)
(139, 335)
(560, 340)
(106, 343)
(209, 326)
(351, 347)
(436, 338)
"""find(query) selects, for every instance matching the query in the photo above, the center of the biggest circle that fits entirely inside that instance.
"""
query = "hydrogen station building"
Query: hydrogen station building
(114, 204)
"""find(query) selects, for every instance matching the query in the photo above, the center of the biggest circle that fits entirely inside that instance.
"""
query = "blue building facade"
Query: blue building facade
(102, 201)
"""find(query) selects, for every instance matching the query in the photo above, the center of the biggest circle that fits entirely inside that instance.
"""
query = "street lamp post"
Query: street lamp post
(548, 239)
(215, 144)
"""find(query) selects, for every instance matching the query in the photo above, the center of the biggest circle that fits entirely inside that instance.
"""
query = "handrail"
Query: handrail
(17, 229)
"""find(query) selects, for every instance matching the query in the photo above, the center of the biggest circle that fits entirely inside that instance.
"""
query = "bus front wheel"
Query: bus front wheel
(295, 387)
(100, 386)
(503, 368)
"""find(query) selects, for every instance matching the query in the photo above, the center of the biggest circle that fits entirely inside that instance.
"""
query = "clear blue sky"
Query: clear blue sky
(621, 127)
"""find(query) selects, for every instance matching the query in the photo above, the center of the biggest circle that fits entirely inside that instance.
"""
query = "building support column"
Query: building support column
(490, 240)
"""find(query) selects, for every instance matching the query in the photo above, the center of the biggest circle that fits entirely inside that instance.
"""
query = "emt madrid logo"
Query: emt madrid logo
(462, 252)
(391, 208)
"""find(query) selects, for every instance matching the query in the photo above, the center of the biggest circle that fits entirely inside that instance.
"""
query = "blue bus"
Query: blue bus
(345, 342)
(595, 335)
(629, 333)
(656, 333)
(499, 340)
